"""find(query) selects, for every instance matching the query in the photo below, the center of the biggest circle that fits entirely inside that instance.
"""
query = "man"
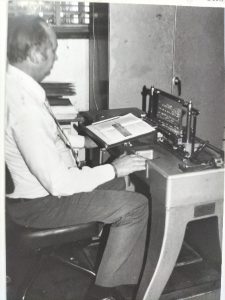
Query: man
(50, 191)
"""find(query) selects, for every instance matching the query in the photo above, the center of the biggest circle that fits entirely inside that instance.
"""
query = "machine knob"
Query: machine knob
(177, 82)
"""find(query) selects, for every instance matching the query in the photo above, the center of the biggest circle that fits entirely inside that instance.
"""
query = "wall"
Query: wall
(3, 42)
(199, 64)
(73, 66)
(141, 53)
(222, 295)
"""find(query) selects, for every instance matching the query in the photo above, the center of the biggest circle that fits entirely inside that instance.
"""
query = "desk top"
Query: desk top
(165, 160)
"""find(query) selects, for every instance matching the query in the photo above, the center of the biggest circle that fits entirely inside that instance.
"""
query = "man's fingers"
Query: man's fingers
(138, 163)
(138, 159)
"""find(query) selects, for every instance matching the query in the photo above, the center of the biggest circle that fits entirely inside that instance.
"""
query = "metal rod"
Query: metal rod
(189, 117)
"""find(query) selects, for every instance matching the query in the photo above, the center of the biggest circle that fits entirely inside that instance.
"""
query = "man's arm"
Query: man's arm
(80, 141)
(128, 164)
(37, 146)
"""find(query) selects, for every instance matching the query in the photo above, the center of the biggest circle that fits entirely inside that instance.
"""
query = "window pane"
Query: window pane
(56, 13)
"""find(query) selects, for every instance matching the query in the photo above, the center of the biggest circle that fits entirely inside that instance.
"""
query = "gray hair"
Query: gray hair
(24, 33)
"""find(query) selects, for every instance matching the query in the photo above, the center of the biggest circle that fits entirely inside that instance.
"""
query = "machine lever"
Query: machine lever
(177, 82)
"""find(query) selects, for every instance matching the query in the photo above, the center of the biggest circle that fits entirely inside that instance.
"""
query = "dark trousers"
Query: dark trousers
(127, 212)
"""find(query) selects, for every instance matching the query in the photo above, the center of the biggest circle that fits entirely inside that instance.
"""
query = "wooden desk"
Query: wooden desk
(177, 199)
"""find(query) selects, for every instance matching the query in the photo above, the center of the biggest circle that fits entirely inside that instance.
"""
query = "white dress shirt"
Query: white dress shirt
(38, 160)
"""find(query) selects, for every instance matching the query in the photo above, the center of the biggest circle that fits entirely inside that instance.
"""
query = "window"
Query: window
(70, 19)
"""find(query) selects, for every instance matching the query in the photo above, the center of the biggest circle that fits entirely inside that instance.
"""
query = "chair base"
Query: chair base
(80, 262)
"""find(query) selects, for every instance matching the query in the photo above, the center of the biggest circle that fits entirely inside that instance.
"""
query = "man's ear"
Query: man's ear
(35, 56)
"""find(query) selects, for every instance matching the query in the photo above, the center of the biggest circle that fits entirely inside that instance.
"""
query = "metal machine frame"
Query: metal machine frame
(176, 121)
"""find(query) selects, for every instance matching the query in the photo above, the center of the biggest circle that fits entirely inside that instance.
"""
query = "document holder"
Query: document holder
(117, 130)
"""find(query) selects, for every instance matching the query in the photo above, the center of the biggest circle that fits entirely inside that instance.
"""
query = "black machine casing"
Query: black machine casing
(176, 121)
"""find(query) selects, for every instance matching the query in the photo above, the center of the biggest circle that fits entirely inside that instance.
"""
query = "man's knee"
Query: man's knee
(142, 205)
(135, 210)
(140, 200)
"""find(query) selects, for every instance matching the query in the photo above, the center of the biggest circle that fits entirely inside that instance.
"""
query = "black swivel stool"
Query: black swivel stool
(44, 243)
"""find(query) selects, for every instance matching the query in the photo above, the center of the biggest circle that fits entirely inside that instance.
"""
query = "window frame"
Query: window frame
(63, 31)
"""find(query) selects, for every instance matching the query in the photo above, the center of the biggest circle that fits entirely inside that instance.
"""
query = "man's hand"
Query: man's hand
(125, 165)
(89, 143)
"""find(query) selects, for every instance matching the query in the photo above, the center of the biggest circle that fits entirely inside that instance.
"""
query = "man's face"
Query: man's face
(47, 63)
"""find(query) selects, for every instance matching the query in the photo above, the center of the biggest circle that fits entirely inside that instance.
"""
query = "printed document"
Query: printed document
(121, 128)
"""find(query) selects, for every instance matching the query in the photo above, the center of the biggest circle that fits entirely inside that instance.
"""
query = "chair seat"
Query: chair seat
(45, 243)
(32, 238)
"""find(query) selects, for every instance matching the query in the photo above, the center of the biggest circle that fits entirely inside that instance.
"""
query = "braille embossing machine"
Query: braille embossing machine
(186, 183)
(176, 120)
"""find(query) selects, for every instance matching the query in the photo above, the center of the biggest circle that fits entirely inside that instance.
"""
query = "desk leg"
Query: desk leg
(219, 214)
(163, 254)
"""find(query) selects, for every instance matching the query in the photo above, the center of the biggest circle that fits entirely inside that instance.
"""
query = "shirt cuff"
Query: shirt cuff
(115, 170)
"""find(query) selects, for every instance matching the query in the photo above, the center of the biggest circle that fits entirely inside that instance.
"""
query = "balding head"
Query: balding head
(24, 33)
(30, 43)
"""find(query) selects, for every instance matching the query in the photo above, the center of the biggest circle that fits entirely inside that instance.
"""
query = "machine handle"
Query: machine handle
(176, 81)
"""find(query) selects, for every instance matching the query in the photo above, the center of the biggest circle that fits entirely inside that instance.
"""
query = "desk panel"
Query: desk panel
(195, 188)
(174, 198)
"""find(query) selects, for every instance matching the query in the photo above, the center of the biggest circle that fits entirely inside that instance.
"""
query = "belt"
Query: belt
(17, 200)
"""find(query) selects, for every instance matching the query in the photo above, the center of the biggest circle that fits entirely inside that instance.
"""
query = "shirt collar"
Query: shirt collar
(31, 85)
